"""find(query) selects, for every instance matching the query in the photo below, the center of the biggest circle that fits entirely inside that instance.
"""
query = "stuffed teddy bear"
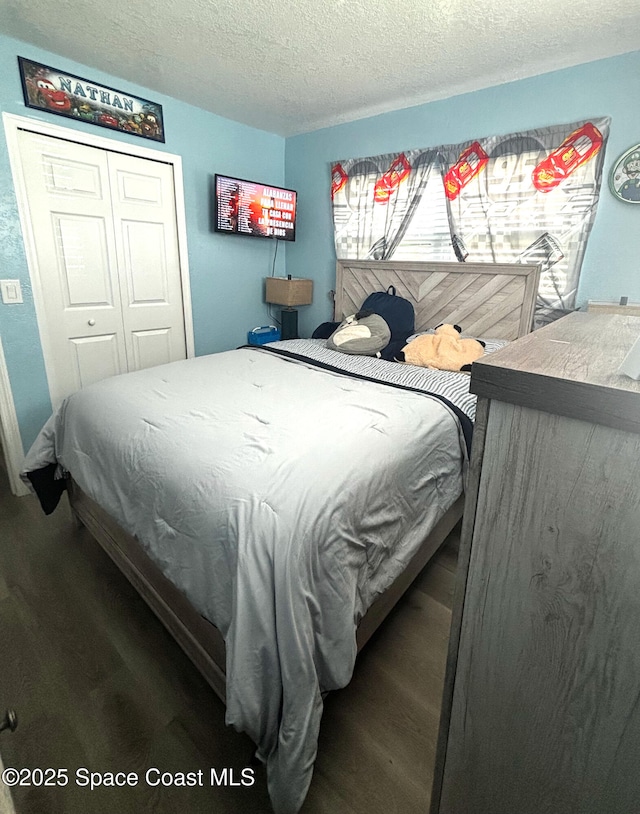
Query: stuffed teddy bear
(443, 350)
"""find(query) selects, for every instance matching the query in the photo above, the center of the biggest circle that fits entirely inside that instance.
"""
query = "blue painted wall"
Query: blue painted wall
(606, 87)
(226, 271)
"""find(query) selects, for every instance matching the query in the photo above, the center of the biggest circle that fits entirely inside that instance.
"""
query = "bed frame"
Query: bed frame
(488, 300)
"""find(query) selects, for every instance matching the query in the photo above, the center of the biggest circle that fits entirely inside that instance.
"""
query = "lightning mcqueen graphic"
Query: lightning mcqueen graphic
(47, 95)
(470, 163)
(391, 180)
(338, 179)
(575, 150)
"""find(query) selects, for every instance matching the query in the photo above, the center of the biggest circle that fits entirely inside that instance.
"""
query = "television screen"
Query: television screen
(248, 208)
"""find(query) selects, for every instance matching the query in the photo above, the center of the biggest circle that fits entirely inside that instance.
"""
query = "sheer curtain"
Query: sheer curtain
(375, 199)
(525, 197)
(535, 201)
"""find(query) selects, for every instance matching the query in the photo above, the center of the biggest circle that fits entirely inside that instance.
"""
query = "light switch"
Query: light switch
(11, 291)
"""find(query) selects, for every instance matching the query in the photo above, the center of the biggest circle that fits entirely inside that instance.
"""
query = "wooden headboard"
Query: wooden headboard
(494, 300)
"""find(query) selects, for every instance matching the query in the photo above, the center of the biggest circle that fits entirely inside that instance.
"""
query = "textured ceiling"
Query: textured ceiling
(291, 67)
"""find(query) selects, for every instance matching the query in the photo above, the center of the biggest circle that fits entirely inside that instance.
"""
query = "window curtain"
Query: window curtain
(374, 200)
(525, 197)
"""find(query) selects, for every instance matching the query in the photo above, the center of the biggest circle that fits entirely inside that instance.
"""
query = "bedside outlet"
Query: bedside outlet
(11, 291)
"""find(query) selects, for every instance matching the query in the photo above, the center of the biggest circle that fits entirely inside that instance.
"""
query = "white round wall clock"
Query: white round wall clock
(624, 179)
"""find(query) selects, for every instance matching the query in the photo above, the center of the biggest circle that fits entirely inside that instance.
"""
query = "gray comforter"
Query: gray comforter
(282, 499)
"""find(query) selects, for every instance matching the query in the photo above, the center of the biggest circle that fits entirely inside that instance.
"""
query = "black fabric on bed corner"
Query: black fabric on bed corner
(48, 489)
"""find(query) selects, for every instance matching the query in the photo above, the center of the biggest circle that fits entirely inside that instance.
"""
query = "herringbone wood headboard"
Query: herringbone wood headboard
(485, 299)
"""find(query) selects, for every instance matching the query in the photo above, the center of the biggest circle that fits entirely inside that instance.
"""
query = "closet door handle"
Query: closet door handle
(91, 322)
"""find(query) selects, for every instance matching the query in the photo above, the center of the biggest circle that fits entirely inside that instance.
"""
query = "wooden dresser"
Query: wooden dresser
(541, 709)
(630, 310)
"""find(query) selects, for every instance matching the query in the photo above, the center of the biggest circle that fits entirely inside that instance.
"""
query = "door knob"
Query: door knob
(10, 721)
(91, 322)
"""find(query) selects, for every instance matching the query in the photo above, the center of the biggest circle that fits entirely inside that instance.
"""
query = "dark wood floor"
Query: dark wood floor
(98, 683)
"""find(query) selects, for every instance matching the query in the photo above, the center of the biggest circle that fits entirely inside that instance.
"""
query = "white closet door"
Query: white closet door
(104, 233)
(148, 261)
(71, 220)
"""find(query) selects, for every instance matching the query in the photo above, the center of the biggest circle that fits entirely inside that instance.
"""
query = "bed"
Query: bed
(272, 504)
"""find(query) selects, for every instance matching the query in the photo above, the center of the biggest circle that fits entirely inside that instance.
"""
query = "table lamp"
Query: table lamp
(289, 292)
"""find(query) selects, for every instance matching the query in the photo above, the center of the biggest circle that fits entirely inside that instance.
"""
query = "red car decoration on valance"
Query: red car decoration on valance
(574, 151)
(392, 179)
(470, 162)
(338, 179)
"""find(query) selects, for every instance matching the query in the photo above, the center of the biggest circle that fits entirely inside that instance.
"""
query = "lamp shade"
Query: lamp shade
(289, 291)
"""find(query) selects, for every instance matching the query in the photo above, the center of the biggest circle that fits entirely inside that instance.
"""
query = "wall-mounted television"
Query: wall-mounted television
(259, 210)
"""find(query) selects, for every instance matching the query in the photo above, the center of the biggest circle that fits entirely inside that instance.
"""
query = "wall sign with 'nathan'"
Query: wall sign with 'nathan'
(64, 94)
